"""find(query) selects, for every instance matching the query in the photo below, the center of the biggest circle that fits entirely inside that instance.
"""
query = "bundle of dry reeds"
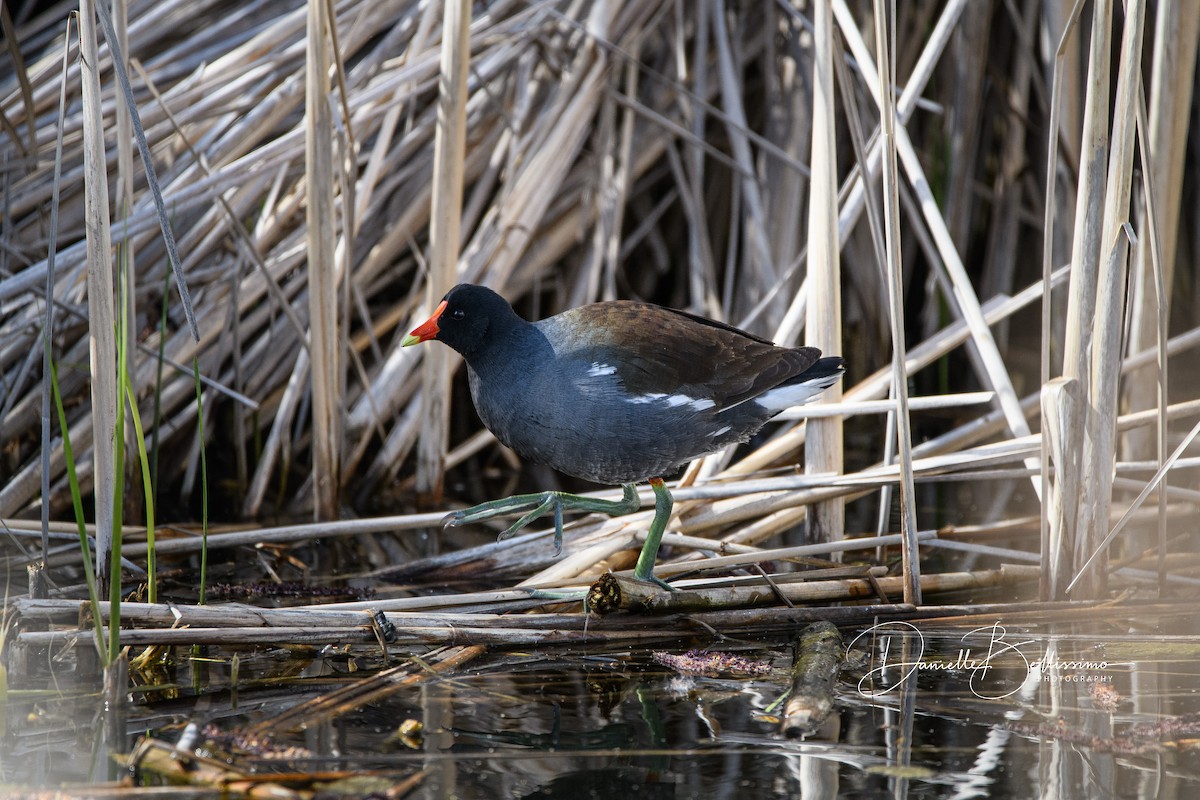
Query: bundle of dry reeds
(639, 148)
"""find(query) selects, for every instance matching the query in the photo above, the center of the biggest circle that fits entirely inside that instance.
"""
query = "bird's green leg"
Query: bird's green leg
(538, 504)
(644, 569)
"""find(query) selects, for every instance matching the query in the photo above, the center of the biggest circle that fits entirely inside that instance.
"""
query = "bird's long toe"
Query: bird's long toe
(657, 581)
(518, 504)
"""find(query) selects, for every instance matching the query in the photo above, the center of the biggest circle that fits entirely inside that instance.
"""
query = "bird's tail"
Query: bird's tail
(805, 386)
(824, 373)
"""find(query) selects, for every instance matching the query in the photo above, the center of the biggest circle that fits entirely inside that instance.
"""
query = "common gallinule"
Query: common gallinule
(616, 393)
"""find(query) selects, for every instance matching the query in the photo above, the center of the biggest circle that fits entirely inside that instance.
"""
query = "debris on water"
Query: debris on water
(410, 733)
(217, 740)
(1060, 731)
(1169, 727)
(711, 663)
(1105, 696)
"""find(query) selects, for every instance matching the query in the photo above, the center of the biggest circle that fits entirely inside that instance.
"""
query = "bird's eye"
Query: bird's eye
(458, 313)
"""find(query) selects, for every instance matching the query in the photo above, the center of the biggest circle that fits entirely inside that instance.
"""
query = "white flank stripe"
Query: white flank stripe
(674, 400)
(683, 400)
(598, 369)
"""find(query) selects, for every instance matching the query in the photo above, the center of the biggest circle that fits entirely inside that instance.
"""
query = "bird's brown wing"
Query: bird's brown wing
(658, 350)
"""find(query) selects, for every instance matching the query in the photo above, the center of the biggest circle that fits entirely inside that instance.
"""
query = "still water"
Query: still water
(972, 708)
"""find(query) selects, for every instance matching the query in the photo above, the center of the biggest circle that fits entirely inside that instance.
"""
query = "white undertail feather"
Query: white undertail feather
(796, 394)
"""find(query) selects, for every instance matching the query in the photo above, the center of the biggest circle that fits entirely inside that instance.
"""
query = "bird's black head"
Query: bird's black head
(468, 317)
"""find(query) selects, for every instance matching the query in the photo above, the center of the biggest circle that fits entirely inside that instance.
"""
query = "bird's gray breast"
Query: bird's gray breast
(550, 413)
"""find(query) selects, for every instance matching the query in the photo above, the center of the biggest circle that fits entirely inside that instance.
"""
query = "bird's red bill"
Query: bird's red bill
(426, 330)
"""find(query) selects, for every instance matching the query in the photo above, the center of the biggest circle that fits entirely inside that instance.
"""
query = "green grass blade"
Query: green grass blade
(89, 571)
(148, 488)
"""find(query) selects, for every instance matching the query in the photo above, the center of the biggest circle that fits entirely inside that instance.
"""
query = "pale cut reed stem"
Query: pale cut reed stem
(101, 310)
(823, 450)
(324, 331)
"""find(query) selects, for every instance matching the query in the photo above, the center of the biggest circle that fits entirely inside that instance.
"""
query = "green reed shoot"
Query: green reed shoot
(147, 487)
(85, 550)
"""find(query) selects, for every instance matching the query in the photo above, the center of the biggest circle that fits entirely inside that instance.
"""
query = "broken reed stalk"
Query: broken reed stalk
(1060, 408)
(1162, 316)
(324, 335)
(895, 282)
(1086, 244)
(817, 659)
(615, 591)
(190, 775)
(101, 311)
(449, 174)
(1057, 511)
(430, 611)
(401, 637)
(193, 775)
(823, 451)
(1099, 445)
